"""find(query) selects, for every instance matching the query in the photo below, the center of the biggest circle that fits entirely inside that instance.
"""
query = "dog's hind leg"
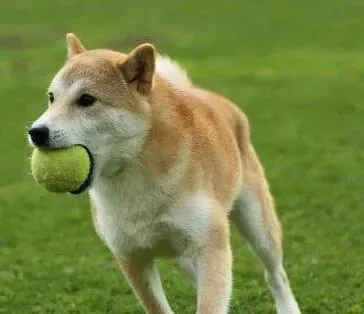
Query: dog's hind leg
(256, 220)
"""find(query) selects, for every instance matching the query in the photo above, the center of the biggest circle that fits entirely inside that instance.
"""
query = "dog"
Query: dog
(173, 165)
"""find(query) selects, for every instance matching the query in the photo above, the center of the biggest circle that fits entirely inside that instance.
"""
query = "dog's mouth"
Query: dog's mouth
(87, 183)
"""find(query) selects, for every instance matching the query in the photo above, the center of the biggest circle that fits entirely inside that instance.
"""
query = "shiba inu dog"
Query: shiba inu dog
(173, 165)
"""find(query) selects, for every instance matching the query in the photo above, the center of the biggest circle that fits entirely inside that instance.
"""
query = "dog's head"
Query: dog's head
(98, 100)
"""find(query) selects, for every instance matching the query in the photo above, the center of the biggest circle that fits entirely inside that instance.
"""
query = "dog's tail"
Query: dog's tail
(171, 71)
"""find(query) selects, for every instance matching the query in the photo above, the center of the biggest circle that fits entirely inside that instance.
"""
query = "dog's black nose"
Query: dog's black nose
(39, 135)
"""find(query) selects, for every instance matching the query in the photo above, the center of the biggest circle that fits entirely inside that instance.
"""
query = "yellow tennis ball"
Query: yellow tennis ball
(62, 170)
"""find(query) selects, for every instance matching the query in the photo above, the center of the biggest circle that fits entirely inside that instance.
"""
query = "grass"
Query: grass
(297, 68)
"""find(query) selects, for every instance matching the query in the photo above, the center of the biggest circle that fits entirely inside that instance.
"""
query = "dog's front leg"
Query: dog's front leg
(214, 271)
(144, 279)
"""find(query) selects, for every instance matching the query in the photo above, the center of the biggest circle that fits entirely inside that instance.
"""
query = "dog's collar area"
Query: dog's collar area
(88, 181)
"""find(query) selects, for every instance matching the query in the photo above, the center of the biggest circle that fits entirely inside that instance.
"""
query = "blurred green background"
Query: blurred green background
(297, 70)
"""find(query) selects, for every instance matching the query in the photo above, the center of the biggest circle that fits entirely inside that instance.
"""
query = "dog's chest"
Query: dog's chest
(125, 214)
(134, 216)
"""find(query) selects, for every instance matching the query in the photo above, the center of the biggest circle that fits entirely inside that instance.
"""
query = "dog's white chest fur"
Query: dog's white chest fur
(136, 216)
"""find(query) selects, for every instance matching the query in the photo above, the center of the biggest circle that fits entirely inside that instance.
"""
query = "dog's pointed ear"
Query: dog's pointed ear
(139, 68)
(74, 45)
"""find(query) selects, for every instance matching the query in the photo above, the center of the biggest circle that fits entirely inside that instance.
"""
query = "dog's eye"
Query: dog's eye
(86, 100)
(51, 97)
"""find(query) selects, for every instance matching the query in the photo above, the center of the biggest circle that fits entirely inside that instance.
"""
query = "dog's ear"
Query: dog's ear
(74, 45)
(139, 67)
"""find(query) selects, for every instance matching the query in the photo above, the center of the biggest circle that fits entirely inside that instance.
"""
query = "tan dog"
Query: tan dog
(172, 162)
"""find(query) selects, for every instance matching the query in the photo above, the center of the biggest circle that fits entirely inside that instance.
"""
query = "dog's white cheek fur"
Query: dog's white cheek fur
(113, 136)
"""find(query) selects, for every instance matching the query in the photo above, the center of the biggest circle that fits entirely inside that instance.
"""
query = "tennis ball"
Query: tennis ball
(62, 170)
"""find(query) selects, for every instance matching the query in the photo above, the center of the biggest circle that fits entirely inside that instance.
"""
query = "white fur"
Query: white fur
(133, 213)
(192, 214)
(281, 291)
(126, 208)
(248, 216)
(172, 72)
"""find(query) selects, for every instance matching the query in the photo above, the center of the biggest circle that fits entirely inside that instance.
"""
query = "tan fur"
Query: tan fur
(139, 66)
(192, 123)
(139, 278)
(195, 147)
(74, 45)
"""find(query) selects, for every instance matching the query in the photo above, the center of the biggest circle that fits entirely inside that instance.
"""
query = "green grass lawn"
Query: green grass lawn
(297, 69)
